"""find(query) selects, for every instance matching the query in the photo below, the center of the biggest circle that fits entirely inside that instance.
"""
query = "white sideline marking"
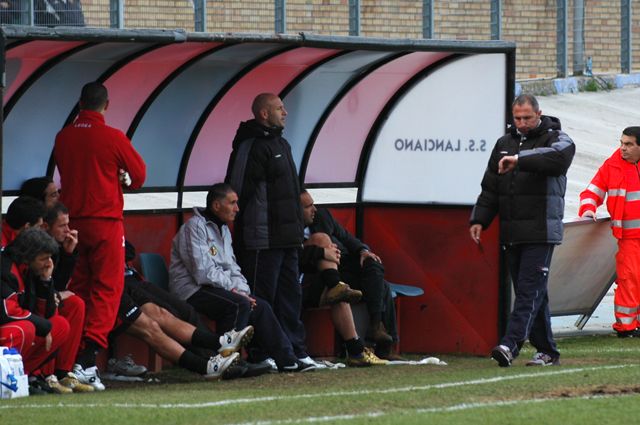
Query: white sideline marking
(315, 395)
(602, 350)
(446, 409)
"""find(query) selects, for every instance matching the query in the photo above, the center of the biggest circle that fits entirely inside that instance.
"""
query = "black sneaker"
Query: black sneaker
(298, 366)
(502, 355)
(36, 390)
(257, 369)
(629, 334)
(38, 386)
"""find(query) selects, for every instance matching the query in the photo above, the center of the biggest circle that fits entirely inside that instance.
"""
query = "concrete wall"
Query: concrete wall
(530, 23)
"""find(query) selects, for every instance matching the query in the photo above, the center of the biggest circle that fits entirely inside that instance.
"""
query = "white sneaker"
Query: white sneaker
(218, 364)
(309, 361)
(88, 376)
(232, 341)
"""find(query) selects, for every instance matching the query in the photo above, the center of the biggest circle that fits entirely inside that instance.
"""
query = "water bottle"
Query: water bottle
(15, 361)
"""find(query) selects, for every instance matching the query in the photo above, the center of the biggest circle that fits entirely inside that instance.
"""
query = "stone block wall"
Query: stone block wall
(529, 23)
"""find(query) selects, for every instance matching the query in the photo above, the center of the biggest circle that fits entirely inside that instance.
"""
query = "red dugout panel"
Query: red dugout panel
(431, 248)
(151, 232)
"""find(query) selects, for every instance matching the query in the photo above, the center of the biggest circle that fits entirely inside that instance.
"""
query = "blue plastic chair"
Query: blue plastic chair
(154, 269)
(405, 290)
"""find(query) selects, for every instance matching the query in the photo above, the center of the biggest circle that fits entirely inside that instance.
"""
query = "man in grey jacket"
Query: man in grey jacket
(204, 272)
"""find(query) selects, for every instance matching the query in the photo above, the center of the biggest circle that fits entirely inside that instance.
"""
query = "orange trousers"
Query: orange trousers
(626, 299)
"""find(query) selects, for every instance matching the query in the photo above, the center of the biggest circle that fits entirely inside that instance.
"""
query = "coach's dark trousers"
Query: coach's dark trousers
(529, 268)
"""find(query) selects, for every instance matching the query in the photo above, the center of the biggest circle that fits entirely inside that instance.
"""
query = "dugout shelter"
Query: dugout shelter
(393, 135)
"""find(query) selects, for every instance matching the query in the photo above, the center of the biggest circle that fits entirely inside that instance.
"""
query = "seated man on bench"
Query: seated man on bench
(205, 274)
(362, 270)
(163, 322)
(321, 286)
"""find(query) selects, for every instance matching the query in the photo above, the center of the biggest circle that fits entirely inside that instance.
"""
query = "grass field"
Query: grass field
(598, 382)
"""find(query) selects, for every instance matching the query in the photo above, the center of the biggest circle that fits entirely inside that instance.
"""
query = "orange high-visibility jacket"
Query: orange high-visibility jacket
(620, 181)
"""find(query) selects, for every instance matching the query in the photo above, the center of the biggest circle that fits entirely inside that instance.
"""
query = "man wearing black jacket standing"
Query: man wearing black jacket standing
(269, 225)
(525, 183)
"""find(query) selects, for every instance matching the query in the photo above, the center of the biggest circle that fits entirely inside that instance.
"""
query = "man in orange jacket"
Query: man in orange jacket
(95, 161)
(619, 178)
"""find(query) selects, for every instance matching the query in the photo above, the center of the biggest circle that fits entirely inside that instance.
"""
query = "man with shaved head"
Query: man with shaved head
(269, 226)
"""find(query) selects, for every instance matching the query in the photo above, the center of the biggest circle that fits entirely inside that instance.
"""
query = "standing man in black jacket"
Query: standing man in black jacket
(269, 225)
(525, 183)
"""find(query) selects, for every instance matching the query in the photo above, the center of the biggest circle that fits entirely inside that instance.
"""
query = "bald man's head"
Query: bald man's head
(269, 110)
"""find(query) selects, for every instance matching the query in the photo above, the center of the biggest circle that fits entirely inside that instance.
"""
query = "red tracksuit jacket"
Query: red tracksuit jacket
(89, 155)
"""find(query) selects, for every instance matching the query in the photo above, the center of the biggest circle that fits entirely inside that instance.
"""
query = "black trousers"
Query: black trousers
(273, 276)
(376, 293)
(228, 309)
(269, 340)
(529, 268)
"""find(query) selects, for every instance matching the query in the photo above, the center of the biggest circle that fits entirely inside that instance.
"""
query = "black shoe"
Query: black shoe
(36, 390)
(298, 366)
(502, 355)
(236, 370)
(629, 334)
(257, 369)
(38, 386)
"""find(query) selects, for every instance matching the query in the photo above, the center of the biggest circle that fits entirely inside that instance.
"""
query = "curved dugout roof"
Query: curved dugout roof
(180, 97)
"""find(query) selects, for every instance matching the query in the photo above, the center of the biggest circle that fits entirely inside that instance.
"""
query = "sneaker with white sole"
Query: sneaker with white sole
(502, 354)
(218, 364)
(71, 381)
(89, 376)
(52, 382)
(543, 359)
(232, 341)
(299, 366)
(125, 367)
(309, 361)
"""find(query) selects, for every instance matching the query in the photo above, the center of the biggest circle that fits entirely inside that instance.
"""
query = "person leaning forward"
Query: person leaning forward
(525, 183)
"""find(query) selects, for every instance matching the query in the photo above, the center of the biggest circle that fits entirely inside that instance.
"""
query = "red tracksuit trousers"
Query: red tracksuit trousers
(19, 335)
(66, 332)
(35, 356)
(99, 274)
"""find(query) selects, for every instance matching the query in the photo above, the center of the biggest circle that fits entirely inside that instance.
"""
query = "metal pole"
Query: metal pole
(116, 13)
(281, 16)
(200, 15)
(496, 19)
(578, 37)
(427, 18)
(625, 36)
(561, 38)
(354, 17)
(30, 12)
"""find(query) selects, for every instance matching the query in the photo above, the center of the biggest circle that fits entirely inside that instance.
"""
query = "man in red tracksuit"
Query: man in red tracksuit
(29, 313)
(619, 179)
(94, 161)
